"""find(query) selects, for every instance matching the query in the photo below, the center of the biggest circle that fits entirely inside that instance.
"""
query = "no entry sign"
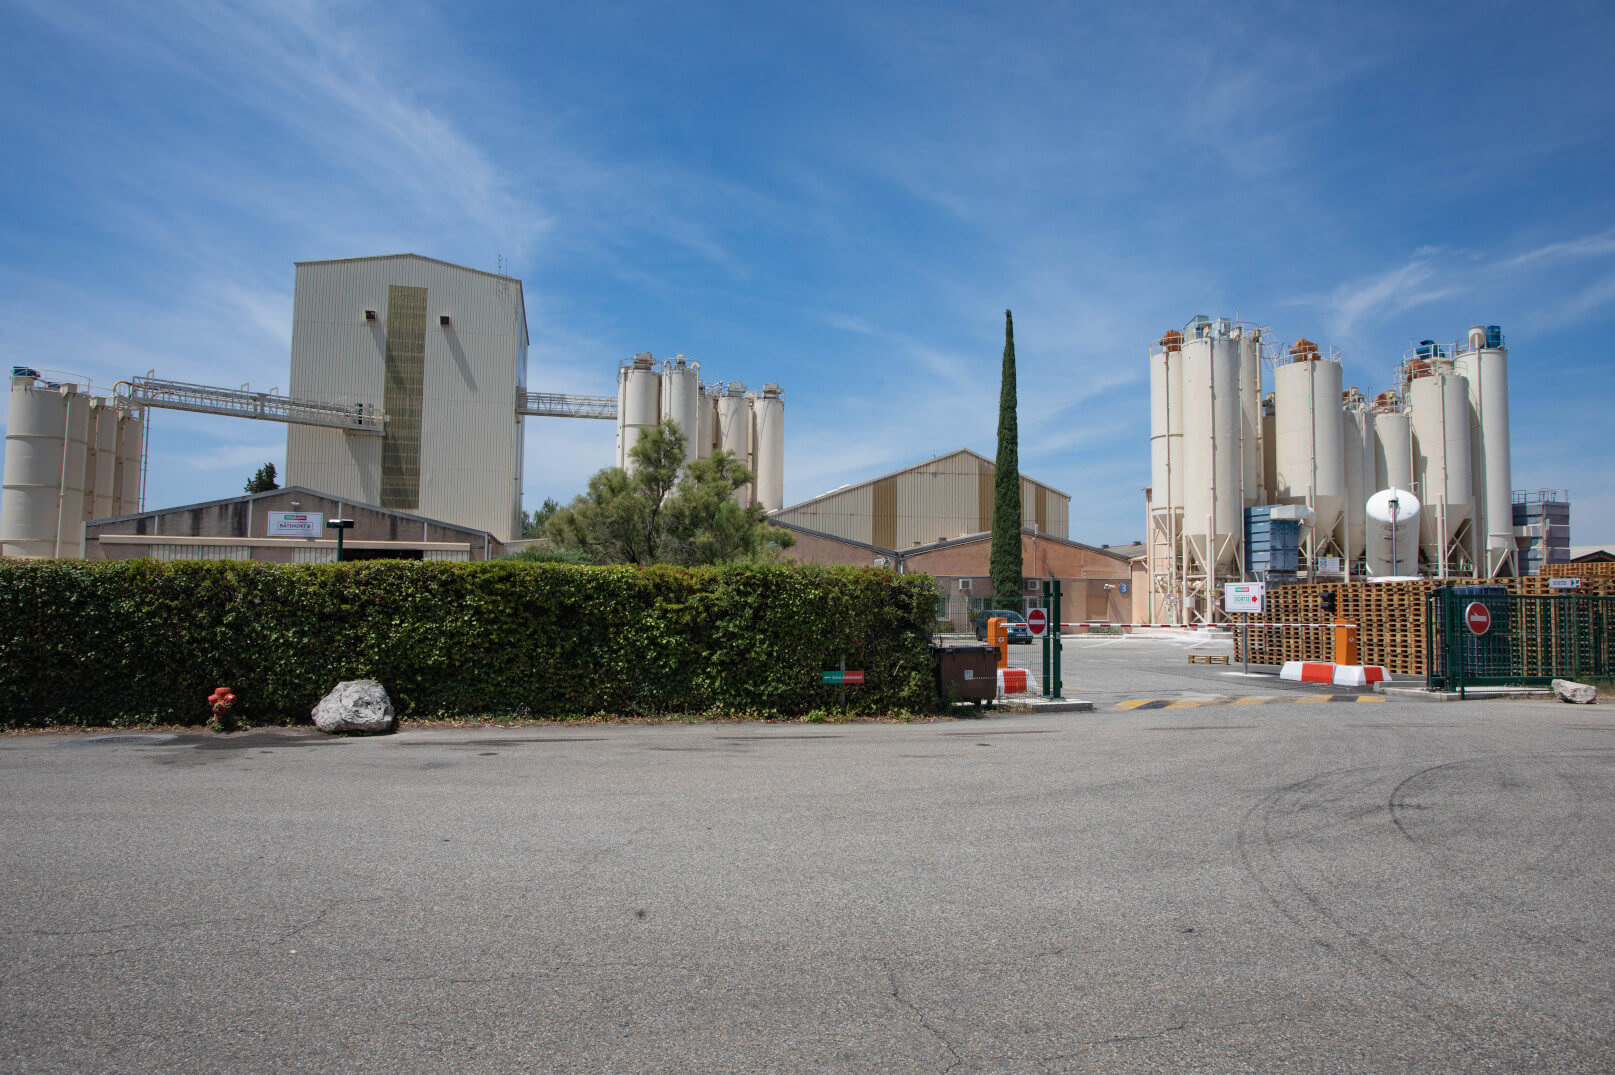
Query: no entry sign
(1478, 617)
(1038, 622)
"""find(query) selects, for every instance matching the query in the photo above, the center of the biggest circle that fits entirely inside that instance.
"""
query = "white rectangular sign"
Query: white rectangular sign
(1564, 584)
(1329, 565)
(1243, 596)
(296, 524)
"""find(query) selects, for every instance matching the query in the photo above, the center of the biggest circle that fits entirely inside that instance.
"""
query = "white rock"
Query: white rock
(1572, 691)
(356, 705)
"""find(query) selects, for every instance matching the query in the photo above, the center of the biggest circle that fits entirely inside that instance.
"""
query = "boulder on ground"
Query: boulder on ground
(356, 705)
(1571, 691)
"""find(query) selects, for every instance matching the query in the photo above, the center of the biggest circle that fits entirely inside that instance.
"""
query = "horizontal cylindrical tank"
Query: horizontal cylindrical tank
(1438, 405)
(1392, 517)
(681, 395)
(1211, 449)
(1393, 450)
(768, 436)
(1483, 361)
(1166, 432)
(641, 406)
(36, 422)
(1308, 462)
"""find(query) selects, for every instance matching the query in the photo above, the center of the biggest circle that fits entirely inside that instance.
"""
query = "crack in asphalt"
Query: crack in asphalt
(896, 993)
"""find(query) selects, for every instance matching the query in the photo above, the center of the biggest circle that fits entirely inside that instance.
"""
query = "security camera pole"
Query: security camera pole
(340, 526)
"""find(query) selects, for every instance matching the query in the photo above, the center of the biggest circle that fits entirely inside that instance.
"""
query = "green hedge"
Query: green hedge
(138, 641)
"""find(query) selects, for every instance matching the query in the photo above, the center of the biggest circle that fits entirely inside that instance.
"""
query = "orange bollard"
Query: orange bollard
(1345, 644)
(998, 638)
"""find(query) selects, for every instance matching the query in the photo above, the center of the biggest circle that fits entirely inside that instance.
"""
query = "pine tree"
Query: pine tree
(1006, 544)
(264, 480)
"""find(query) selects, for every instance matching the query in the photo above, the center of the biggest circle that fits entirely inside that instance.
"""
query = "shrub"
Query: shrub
(141, 641)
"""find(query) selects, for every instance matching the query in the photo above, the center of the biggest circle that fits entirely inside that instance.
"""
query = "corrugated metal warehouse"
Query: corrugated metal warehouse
(441, 350)
(948, 497)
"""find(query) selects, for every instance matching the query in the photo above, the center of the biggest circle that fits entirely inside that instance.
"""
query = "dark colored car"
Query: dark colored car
(1018, 631)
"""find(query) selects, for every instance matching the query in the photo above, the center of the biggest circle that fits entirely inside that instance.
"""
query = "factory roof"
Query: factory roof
(914, 467)
(282, 491)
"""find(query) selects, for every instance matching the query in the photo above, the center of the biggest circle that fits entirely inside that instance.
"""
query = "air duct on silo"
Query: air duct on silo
(1438, 404)
(1483, 360)
(1308, 464)
(681, 400)
(1212, 505)
(768, 436)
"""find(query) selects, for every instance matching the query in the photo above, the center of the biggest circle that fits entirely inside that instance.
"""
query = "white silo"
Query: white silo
(131, 457)
(1166, 435)
(1250, 415)
(681, 399)
(103, 465)
(1483, 361)
(31, 497)
(1308, 464)
(1211, 447)
(75, 466)
(768, 434)
(734, 429)
(1358, 458)
(1270, 479)
(1392, 526)
(1393, 444)
(641, 404)
(706, 420)
(1438, 403)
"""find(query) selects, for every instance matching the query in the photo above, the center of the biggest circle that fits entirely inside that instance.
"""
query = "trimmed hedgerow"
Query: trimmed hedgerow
(144, 642)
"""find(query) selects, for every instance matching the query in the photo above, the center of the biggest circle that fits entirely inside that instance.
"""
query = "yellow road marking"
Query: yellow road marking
(1133, 704)
(1369, 698)
(1253, 699)
(1314, 698)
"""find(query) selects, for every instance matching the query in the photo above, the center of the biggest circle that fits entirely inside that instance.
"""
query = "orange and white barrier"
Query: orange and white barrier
(1016, 681)
(1340, 675)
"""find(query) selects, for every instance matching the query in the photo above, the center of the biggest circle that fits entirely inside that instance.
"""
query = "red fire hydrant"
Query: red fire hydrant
(219, 703)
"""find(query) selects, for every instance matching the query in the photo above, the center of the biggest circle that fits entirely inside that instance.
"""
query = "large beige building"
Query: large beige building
(442, 351)
(937, 500)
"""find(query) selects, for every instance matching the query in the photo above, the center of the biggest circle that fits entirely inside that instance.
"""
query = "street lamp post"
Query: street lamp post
(340, 526)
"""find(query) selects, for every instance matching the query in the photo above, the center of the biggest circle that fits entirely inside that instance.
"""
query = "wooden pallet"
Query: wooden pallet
(1208, 658)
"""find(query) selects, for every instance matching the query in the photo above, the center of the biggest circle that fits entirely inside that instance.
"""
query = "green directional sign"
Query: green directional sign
(830, 677)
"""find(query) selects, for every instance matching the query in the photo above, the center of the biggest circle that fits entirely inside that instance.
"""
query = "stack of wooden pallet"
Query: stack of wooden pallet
(1584, 571)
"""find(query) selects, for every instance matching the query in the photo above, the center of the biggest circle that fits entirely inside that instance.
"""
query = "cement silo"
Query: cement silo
(1250, 415)
(734, 429)
(681, 400)
(75, 486)
(1213, 462)
(131, 457)
(103, 462)
(1483, 361)
(31, 501)
(1166, 436)
(1393, 444)
(1392, 528)
(1438, 404)
(640, 409)
(706, 421)
(1358, 458)
(768, 437)
(1309, 467)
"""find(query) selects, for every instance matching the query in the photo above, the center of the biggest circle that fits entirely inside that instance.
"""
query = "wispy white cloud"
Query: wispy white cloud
(1587, 246)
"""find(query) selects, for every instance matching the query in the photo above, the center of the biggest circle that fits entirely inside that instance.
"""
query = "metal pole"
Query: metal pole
(1058, 646)
(1048, 684)
(1247, 645)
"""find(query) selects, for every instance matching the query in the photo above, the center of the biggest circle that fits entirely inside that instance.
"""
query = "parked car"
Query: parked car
(1018, 631)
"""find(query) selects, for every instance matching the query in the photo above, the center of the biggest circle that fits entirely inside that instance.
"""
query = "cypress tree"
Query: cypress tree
(1006, 544)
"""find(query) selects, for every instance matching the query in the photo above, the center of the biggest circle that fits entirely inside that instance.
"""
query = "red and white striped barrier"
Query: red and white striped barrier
(1340, 675)
(1197, 626)
(1016, 681)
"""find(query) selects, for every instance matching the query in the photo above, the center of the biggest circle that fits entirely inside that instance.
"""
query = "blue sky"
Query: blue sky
(840, 197)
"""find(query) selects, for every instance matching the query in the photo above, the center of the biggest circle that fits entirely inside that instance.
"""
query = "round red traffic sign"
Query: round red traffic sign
(1038, 622)
(1479, 617)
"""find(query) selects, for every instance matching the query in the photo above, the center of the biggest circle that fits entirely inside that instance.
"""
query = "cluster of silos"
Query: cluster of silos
(1437, 444)
(70, 457)
(726, 417)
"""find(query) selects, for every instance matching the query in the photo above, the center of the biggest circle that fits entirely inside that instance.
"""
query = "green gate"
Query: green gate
(1484, 636)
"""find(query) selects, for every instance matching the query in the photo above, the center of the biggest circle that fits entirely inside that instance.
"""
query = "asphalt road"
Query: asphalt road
(1400, 886)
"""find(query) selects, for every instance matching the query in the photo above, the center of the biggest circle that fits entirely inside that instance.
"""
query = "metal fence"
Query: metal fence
(1484, 636)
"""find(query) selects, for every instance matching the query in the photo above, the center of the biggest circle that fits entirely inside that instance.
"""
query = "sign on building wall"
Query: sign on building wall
(1243, 596)
(296, 524)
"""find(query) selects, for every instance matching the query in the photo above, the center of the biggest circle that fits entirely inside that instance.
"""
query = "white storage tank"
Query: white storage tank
(75, 469)
(1393, 444)
(1309, 467)
(681, 399)
(1483, 361)
(131, 457)
(1250, 414)
(1358, 457)
(768, 435)
(1438, 404)
(1166, 433)
(734, 430)
(1213, 464)
(706, 421)
(31, 498)
(641, 404)
(103, 466)
(1393, 534)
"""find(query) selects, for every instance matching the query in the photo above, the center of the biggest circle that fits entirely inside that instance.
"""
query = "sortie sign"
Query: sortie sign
(1479, 618)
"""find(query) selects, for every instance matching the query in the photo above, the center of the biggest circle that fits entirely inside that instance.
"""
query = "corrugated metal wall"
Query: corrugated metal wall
(201, 552)
(470, 461)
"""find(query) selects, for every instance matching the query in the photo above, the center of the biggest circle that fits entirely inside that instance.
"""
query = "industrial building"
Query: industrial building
(407, 393)
(1282, 485)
